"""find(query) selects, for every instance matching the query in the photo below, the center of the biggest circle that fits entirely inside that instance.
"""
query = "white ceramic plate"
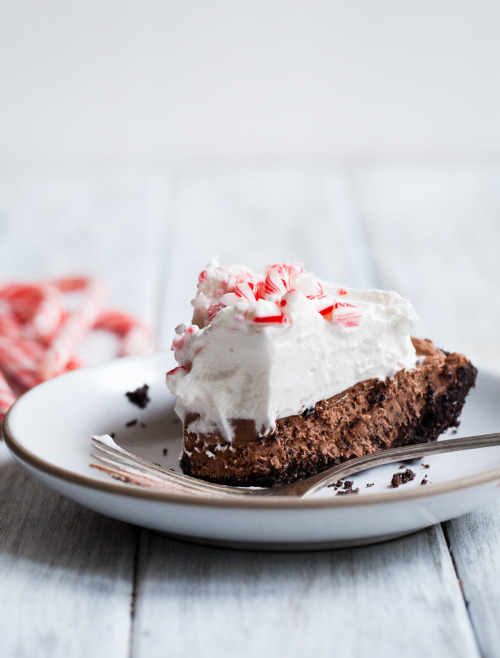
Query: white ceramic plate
(48, 430)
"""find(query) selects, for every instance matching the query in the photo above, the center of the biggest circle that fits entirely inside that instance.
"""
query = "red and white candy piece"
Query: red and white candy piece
(346, 314)
(308, 285)
(280, 278)
(212, 311)
(323, 304)
(342, 313)
(177, 370)
(267, 312)
(247, 290)
(244, 289)
(279, 318)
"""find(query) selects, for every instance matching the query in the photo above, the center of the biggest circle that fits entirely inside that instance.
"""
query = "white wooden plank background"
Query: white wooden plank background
(430, 232)
(65, 571)
(474, 540)
(361, 602)
(435, 235)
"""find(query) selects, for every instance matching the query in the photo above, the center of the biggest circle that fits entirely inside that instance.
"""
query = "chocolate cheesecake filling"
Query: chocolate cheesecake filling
(414, 406)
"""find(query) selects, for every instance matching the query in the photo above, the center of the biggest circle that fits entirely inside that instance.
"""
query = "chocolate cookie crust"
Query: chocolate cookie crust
(414, 406)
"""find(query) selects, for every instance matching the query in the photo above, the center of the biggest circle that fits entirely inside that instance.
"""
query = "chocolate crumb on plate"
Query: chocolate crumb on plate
(140, 396)
(336, 485)
(343, 492)
(112, 435)
(402, 478)
(426, 465)
(425, 480)
(143, 425)
(347, 489)
(164, 451)
(131, 423)
(370, 484)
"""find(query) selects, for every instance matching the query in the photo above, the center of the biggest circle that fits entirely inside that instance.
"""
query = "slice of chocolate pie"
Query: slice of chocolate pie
(284, 375)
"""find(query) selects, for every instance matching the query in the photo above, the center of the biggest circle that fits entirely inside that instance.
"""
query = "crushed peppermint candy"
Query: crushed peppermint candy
(279, 281)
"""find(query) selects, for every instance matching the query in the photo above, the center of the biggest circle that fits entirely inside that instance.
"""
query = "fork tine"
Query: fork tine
(141, 476)
(139, 471)
(108, 447)
(136, 478)
(136, 471)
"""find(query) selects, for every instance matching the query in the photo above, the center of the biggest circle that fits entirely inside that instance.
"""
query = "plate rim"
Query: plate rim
(26, 457)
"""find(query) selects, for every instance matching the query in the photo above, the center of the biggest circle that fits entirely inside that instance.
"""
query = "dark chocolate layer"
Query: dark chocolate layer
(414, 406)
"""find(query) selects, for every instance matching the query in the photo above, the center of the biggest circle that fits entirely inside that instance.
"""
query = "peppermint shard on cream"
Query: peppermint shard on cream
(282, 375)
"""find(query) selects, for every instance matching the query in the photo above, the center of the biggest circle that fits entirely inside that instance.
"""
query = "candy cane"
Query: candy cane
(76, 325)
(12, 329)
(19, 355)
(38, 305)
(22, 299)
(18, 362)
(135, 337)
(49, 313)
(38, 337)
(9, 325)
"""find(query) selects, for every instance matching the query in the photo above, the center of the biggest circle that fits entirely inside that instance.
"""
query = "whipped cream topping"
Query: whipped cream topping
(264, 347)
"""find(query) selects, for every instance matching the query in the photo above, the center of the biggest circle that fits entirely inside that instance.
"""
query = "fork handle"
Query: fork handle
(310, 486)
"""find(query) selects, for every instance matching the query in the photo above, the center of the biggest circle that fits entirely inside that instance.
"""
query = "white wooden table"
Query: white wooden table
(74, 583)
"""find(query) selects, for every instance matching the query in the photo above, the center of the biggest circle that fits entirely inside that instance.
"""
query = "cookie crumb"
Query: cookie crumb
(336, 485)
(347, 489)
(402, 478)
(164, 451)
(370, 484)
(131, 423)
(112, 435)
(426, 465)
(140, 396)
(425, 480)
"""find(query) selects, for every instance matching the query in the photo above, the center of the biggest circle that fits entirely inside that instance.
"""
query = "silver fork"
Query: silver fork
(127, 467)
